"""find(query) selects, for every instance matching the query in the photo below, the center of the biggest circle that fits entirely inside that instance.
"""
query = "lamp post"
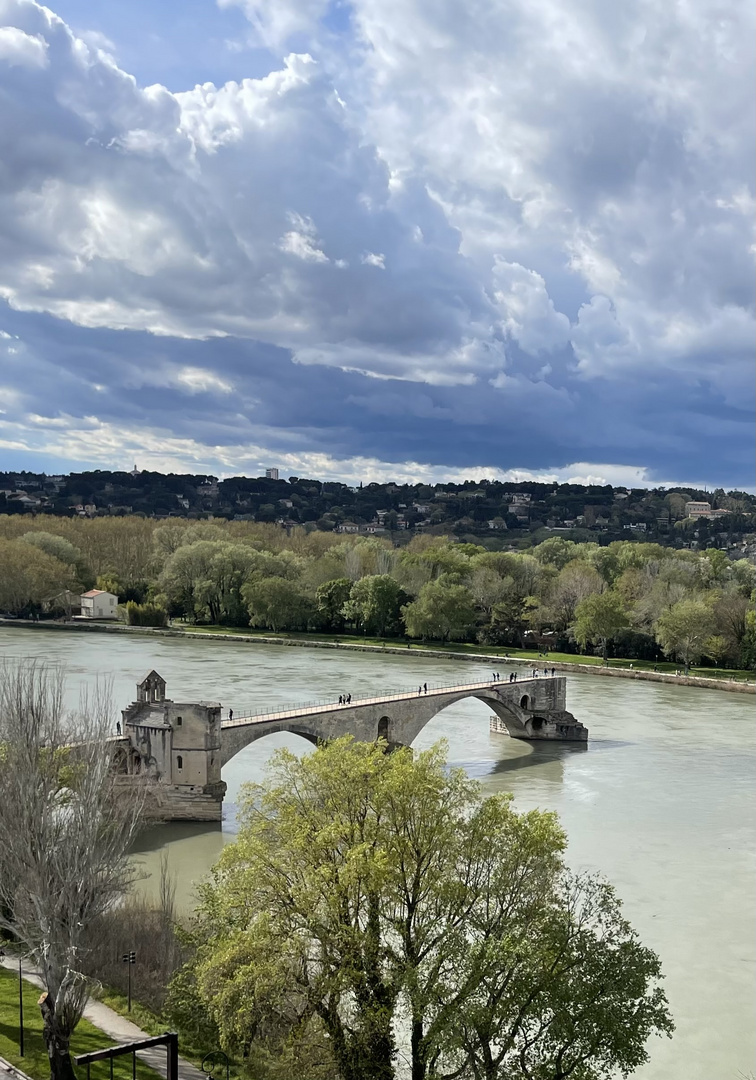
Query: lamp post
(211, 1060)
(129, 958)
(20, 1012)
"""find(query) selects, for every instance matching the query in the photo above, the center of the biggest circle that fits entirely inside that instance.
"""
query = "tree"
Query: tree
(65, 551)
(65, 830)
(277, 603)
(441, 611)
(330, 598)
(376, 904)
(204, 579)
(684, 630)
(555, 551)
(487, 588)
(374, 604)
(576, 581)
(510, 617)
(29, 575)
(598, 618)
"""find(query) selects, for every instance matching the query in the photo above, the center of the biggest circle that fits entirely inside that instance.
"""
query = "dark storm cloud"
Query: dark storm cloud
(508, 238)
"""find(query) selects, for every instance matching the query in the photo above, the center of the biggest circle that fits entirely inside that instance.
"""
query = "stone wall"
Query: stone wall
(166, 802)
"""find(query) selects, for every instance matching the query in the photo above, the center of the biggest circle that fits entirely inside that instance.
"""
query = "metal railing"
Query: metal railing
(246, 716)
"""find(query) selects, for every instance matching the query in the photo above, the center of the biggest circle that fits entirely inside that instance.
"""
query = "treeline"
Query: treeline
(637, 600)
(495, 514)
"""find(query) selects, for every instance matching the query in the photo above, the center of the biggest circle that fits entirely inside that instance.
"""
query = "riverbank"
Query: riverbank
(619, 669)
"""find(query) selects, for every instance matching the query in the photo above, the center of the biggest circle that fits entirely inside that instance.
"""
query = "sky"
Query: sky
(382, 239)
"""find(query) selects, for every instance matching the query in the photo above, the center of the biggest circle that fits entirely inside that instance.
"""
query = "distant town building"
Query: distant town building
(271, 474)
(347, 527)
(99, 604)
(135, 471)
(695, 509)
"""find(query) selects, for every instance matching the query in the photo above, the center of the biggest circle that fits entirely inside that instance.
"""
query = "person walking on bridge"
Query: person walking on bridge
(425, 688)
(230, 714)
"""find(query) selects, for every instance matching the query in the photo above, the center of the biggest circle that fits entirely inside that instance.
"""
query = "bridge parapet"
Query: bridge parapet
(180, 748)
(527, 709)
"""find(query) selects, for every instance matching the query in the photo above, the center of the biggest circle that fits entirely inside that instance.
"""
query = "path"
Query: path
(116, 1026)
(312, 708)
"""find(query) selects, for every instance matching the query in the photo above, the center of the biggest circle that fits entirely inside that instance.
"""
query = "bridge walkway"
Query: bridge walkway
(313, 708)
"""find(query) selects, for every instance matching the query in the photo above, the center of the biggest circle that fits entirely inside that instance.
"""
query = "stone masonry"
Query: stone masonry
(180, 748)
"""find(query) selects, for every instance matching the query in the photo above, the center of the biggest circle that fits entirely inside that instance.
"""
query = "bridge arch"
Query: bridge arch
(234, 741)
(525, 712)
(513, 718)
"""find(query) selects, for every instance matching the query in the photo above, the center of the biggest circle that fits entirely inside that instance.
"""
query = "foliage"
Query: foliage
(375, 905)
(276, 603)
(146, 614)
(29, 576)
(230, 573)
(330, 599)
(685, 629)
(441, 611)
(598, 618)
(65, 829)
(375, 603)
(65, 551)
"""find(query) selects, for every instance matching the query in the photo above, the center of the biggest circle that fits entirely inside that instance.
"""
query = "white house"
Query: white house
(99, 604)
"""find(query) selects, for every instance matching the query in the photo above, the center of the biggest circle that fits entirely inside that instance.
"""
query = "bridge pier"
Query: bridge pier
(180, 748)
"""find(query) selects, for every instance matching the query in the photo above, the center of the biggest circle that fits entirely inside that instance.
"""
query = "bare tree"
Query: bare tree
(65, 830)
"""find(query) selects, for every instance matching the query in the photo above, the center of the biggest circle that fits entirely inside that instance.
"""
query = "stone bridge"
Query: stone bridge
(179, 748)
(526, 709)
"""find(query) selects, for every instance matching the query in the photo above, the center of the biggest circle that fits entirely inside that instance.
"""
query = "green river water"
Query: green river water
(661, 801)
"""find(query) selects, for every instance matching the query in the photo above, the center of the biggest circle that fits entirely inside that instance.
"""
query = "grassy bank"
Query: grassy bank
(35, 1062)
(470, 649)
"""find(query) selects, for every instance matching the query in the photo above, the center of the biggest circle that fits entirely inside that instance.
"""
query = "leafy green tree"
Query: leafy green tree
(374, 604)
(555, 551)
(510, 618)
(375, 904)
(28, 576)
(442, 611)
(576, 581)
(684, 630)
(65, 551)
(330, 599)
(204, 580)
(598, 618)
(487, 588)
(277, 603)
(748, 644)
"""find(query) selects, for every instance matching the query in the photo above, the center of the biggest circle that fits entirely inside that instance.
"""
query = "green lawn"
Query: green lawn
(35, 1062)
(467, 647)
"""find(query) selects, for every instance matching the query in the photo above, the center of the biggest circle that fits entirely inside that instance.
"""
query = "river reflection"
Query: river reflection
(660, 801)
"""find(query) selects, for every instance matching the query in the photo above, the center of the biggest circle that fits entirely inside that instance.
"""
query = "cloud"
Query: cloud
(371, 258)
(559, 201)
(22, 50)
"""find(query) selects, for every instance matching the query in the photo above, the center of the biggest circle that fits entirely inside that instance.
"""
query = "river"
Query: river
(660, 801)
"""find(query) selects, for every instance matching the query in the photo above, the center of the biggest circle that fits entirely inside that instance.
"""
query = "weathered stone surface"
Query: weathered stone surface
(528, 709)
(178, 749)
